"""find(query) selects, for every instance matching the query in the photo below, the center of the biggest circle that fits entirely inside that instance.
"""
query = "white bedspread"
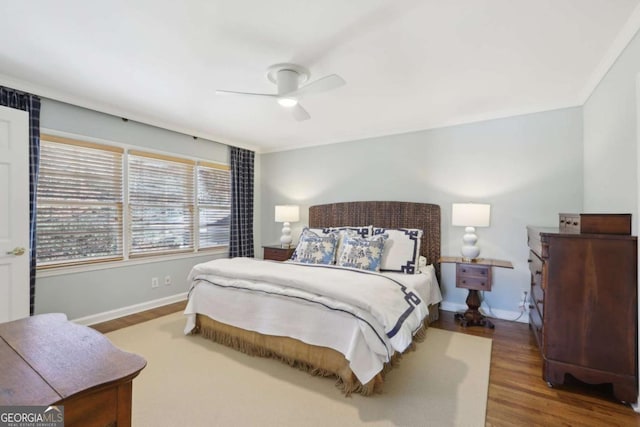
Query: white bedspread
(365, 316)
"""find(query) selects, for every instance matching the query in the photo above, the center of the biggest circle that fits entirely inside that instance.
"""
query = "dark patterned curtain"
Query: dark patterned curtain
(31, 104)
(241, 238)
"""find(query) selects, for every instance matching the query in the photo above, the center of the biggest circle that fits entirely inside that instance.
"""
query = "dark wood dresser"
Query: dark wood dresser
(47, 360)
(583, 308)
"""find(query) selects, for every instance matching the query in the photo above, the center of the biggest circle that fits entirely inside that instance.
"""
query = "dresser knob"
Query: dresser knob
(529, 260)
(538, 272)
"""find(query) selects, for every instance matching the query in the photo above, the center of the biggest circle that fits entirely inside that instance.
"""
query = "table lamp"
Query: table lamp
(287, 214)
(470, 215)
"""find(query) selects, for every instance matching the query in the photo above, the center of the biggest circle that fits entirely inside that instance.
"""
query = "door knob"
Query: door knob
(16, 251)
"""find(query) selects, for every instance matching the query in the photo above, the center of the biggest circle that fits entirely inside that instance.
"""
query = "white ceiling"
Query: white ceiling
(409, 64)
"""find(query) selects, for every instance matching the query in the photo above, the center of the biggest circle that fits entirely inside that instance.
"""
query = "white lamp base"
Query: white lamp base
(285, 239)
(470, 250)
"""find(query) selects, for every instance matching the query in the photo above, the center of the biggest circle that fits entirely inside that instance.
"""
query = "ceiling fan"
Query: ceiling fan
(288, 78)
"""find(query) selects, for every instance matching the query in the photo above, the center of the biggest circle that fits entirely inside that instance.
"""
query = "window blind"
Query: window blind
(79, 202)
(161, 203)
(214, 204)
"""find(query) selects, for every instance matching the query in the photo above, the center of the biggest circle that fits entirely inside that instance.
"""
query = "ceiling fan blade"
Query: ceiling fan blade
(329, 82)
(299, 113)
(231, 92)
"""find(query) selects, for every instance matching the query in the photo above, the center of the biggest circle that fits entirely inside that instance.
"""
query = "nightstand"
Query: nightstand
(475, 276)
(277, 252)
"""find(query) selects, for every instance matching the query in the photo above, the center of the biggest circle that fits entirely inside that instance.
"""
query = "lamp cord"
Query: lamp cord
(493, 316)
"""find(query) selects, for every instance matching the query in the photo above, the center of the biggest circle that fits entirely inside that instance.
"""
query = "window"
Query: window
(79, 202)
(214, 204)
(161, 203)
(170, 205)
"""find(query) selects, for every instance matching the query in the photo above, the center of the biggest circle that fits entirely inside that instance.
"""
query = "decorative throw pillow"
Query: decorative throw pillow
(401, 250)
(314, 249)
(364, 254)
(362, 231)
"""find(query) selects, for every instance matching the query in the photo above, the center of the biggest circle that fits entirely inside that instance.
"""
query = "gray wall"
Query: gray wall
(84, 293)
(610, 139)
(529, 168)
(81, 121)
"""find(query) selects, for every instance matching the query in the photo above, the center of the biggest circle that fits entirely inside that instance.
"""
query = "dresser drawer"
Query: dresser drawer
(535, 320)
(476, 277)
(533, 240)
(469, 270)
(535, 267)
(476, 283)
(537, 297)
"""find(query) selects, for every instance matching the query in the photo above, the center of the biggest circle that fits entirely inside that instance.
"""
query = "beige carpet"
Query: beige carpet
(191, 382)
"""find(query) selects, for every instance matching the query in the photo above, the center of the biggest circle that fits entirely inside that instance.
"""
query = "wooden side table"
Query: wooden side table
(277, 252)
(475, 276)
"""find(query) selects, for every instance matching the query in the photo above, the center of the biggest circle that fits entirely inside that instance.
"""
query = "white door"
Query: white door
(14, 214)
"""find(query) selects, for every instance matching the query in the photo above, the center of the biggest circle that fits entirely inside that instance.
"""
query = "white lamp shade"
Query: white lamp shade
(287, 213)
(470, 214)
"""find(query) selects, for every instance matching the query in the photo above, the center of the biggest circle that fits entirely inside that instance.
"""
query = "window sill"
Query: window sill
(61, 271)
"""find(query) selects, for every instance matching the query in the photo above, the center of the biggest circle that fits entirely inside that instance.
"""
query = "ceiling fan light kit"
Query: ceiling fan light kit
(288, 78)
(287, 102)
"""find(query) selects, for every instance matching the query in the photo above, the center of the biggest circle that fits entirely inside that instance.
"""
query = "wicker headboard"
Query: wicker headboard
(424, 216)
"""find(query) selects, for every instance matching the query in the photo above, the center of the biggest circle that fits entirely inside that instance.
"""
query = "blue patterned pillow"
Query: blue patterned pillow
(314, 249)
(362, 231)
(365, 254)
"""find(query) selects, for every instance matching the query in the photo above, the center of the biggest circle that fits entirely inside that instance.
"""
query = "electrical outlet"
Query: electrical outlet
(154, 282)
(523, 301)
(167, 280)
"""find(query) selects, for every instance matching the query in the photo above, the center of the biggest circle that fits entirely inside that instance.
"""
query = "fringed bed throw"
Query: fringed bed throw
(316, 360)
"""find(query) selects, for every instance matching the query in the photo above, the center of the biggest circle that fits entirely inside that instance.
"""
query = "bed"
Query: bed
(328, 335)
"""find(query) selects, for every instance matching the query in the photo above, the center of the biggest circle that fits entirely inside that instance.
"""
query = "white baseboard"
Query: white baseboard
(494, 313)
(137, 308)
(132, 309)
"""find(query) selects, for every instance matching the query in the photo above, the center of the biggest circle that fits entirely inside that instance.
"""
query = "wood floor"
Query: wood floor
(517, 394)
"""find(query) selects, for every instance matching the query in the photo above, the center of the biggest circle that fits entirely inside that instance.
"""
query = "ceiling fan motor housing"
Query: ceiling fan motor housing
(287, 81)
(287, 77)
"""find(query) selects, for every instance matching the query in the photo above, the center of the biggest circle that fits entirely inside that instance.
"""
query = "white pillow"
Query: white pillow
(401, 250)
